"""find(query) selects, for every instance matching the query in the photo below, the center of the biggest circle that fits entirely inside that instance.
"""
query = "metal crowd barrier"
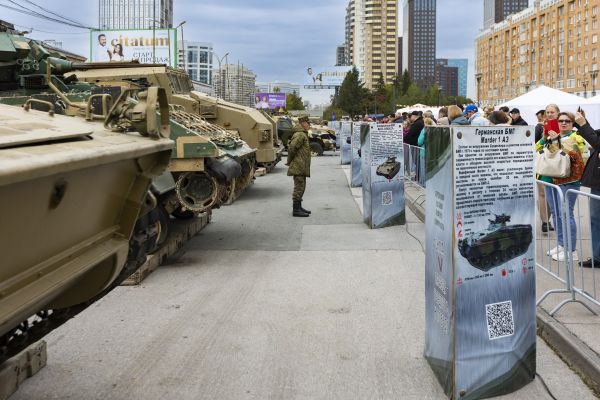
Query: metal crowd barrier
(414, 164)
(584, 282)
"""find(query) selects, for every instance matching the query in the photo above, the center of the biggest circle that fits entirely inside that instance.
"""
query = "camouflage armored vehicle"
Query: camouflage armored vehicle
(389, 168)
(75, 209)
(210, 166)
(321, 138)
(253, 126)
(497, 244)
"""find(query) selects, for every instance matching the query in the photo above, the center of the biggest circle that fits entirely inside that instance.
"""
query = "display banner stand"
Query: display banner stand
(337, 127)
(382, 162)
(345, 140)
(480, 259)
(356, 173)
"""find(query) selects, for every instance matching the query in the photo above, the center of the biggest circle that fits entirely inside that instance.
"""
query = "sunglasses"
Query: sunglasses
(565, 121)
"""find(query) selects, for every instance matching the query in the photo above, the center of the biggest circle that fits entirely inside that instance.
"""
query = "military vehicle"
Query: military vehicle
(320, 138)
(75, 208)
(497, 244)
(210, 166)
(253, 126)
(389, 168)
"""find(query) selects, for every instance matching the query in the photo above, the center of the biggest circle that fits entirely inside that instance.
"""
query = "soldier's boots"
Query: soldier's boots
(297, 211)
(304, 209)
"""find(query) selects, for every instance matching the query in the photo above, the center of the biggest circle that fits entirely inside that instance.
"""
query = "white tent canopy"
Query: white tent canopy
(538, 98)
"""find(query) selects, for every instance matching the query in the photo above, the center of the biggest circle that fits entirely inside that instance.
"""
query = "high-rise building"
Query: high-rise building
(418, 45)
(198, 60)
(372, 37)
(446, 77)
(340, 56)
(463, 73)
(495, 11)
(504, 8)
(554, 43)
(135, 14)
(489, 8)
(235, 83)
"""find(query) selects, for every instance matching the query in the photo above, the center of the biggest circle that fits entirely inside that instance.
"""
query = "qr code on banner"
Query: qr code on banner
(386, 198)
(500, 322)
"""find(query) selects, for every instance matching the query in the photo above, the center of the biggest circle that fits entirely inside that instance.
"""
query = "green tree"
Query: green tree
(294, 102)
(406, 82)
(352, 94)
(276, 89)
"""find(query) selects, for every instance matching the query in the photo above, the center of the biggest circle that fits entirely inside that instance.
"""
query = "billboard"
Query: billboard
(324, 78)
(270, 100)
(145, 45)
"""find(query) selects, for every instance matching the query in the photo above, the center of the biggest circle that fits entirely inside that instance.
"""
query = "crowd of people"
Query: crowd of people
(555, 131)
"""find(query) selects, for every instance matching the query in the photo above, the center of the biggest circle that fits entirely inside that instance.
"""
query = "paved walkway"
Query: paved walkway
(261, 305)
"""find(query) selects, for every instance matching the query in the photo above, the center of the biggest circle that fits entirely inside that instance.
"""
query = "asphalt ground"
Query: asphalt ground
(261, 305)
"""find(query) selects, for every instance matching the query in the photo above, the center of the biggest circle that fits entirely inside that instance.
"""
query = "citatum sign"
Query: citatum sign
(147, 46)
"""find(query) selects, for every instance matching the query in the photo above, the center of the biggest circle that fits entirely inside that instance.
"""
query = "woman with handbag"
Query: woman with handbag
(560, 162)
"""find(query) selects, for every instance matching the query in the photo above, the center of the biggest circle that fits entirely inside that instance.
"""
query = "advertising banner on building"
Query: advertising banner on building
(382, 175)
(270, 100)
(346, 143)
(324, 78)
(356, 175)
(148, 46)
(480, 259)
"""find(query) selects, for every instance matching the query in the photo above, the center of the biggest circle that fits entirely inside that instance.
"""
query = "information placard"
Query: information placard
(356, 175)
(337, 127)
(382, 175)
(480, 259)
(346, 142)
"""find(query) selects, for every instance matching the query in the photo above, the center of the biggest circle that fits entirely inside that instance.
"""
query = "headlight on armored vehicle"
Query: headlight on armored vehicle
(265, 135)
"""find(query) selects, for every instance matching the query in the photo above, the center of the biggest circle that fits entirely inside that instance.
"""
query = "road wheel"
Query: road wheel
(316, 149)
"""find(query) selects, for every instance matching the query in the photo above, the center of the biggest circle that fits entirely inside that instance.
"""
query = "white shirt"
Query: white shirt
(102, 53)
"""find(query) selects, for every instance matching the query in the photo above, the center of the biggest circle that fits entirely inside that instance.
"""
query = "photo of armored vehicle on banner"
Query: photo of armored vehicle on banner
(321, 138)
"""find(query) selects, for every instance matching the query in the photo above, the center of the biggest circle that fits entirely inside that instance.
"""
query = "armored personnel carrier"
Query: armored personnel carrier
(254, 127)
(75, 208)
(497, 244)
(389, 168)
(210, 166)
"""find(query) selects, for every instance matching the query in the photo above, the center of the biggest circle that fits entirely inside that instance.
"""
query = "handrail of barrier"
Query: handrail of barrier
(571, 266)
(414, 164)
(567, 282)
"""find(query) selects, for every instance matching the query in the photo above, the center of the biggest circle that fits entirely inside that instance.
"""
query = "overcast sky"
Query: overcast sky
(274, 38)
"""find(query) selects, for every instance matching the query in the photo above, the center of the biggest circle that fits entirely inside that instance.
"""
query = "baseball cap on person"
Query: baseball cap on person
(416, 113)
(469, 108)
(515, 110)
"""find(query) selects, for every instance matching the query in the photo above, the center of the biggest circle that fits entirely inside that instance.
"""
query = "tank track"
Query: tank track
(43, 322)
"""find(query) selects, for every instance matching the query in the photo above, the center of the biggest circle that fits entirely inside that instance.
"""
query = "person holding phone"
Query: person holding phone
(591, 179)
(567, 140)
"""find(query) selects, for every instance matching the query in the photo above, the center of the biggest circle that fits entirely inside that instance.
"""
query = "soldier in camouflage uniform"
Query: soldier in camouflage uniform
(299, 164)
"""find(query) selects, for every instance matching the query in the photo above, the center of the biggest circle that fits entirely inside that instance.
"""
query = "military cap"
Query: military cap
(303, 118)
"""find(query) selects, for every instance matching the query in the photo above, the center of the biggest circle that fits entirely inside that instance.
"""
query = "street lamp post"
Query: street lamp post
(584, 83)
(478, 78)
(182, 43)
(219, 60)
(439, 95)
(593, 75)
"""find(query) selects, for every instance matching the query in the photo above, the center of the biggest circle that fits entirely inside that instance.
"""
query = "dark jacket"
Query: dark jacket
(539, 132)
(412, 137)
(519, 121)
(591, 173)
